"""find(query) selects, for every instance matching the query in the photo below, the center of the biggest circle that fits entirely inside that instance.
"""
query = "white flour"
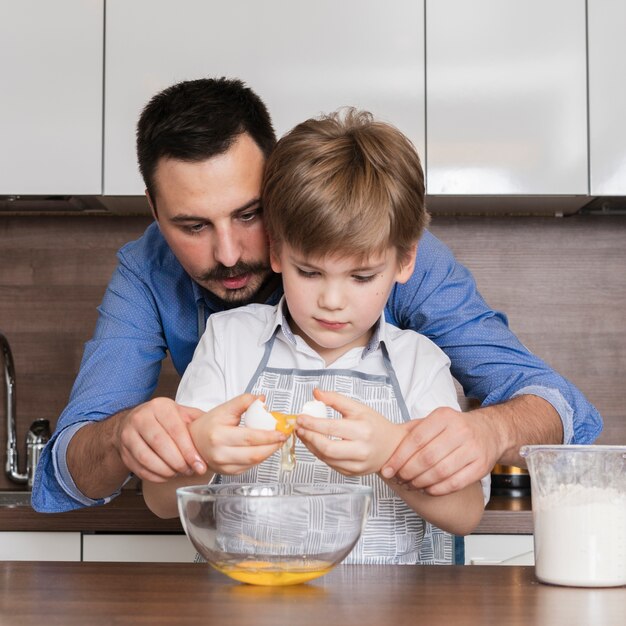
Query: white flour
(580, 536)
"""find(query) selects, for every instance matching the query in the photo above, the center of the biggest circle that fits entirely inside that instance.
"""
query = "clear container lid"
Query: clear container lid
(551, 467)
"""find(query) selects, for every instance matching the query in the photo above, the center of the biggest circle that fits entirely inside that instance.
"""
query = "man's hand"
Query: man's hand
(444, 452)
(151, 440)
(363, 439)
(448, 450)
(225, 446)
(154, 442)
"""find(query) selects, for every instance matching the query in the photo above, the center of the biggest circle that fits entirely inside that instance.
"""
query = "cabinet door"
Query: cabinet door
(302, 58)
(506, 97)
(138, 548)
(607, 97)
(39, 546)
(51, 105)
(499, 550)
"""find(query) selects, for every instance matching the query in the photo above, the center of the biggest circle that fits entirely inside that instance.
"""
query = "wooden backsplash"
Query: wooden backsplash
(562, 282)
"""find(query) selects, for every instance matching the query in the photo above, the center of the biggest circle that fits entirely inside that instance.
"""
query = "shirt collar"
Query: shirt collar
(378, 337)
(273, 323)
(198, 292)
(280, 320)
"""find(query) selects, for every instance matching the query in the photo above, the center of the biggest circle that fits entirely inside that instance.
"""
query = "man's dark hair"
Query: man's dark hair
(198, 119)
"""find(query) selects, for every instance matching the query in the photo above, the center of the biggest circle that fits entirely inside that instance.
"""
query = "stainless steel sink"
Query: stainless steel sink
(12, 499)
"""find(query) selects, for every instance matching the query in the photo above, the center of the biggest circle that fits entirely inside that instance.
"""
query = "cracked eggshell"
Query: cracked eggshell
(314, 408)
(257, 416)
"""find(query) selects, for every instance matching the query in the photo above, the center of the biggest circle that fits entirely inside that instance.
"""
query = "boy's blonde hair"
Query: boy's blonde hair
(344, 184)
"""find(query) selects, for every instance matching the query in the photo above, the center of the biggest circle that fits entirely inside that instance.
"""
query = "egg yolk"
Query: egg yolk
(284, 423)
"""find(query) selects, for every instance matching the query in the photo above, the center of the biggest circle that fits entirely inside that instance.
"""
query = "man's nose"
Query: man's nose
(226, 247)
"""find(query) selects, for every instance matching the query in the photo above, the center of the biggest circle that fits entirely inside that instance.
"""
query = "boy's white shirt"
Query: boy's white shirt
(233, 345)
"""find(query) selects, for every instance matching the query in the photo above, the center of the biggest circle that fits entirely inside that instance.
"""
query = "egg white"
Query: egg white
(257, 416)
(314, 408)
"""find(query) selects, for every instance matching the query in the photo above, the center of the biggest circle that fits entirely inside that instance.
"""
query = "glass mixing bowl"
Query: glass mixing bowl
(274, 534)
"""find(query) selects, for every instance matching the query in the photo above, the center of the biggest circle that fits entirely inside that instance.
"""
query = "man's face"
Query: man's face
(210, 215)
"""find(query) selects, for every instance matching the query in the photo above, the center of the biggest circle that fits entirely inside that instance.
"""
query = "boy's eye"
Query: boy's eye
(363, 279)
(306, 274)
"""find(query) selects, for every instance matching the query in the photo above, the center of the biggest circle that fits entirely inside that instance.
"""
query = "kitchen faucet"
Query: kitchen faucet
(38, 434)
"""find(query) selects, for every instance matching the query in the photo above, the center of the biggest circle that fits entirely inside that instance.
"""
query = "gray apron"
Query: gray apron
(394, 533)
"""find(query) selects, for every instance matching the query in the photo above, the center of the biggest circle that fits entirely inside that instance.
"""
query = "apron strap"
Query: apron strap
(394, 383)
(263, 362)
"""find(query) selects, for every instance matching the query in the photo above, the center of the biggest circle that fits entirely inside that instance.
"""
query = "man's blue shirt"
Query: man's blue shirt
(152, 307)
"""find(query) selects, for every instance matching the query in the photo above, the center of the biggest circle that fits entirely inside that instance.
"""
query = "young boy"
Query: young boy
(343, 202)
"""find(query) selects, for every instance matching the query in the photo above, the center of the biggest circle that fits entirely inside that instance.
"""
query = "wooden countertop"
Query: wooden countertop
(128, 513)
(68, 594)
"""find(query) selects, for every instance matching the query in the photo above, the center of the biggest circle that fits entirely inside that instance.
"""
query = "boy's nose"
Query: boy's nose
(331, 297)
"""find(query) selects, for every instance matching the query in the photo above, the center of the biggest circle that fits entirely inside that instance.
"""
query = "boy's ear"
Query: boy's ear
(275, 260)
(407, 265)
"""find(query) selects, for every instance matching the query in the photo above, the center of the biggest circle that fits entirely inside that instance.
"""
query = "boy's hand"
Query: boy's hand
(227, 448)
(364, 438)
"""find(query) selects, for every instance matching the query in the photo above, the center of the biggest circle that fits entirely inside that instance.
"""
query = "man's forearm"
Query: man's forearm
(525, 420)
(93, 458)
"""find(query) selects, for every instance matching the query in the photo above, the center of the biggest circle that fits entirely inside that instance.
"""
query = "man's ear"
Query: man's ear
(407, 265)
(152, 206)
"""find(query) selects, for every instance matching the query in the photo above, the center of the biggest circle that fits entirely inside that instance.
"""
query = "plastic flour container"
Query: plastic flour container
(579, 514)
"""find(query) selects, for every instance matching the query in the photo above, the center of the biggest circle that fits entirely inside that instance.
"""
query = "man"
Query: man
(202, 147)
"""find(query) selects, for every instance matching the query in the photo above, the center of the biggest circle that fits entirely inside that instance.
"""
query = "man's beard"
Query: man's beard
(240, 296)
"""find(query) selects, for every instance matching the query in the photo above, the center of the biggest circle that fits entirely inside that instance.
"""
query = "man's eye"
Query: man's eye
(195, 228)
(250, 216)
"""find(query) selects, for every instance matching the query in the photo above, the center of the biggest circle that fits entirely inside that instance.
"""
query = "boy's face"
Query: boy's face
(335, 301)
(210, 215)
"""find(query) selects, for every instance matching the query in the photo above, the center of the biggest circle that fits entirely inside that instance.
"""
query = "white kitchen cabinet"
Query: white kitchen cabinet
(499, 550)
(138, 548)
(506, 97)
(607, 96)
(302, 58)
(51, 106)
(39, 546)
